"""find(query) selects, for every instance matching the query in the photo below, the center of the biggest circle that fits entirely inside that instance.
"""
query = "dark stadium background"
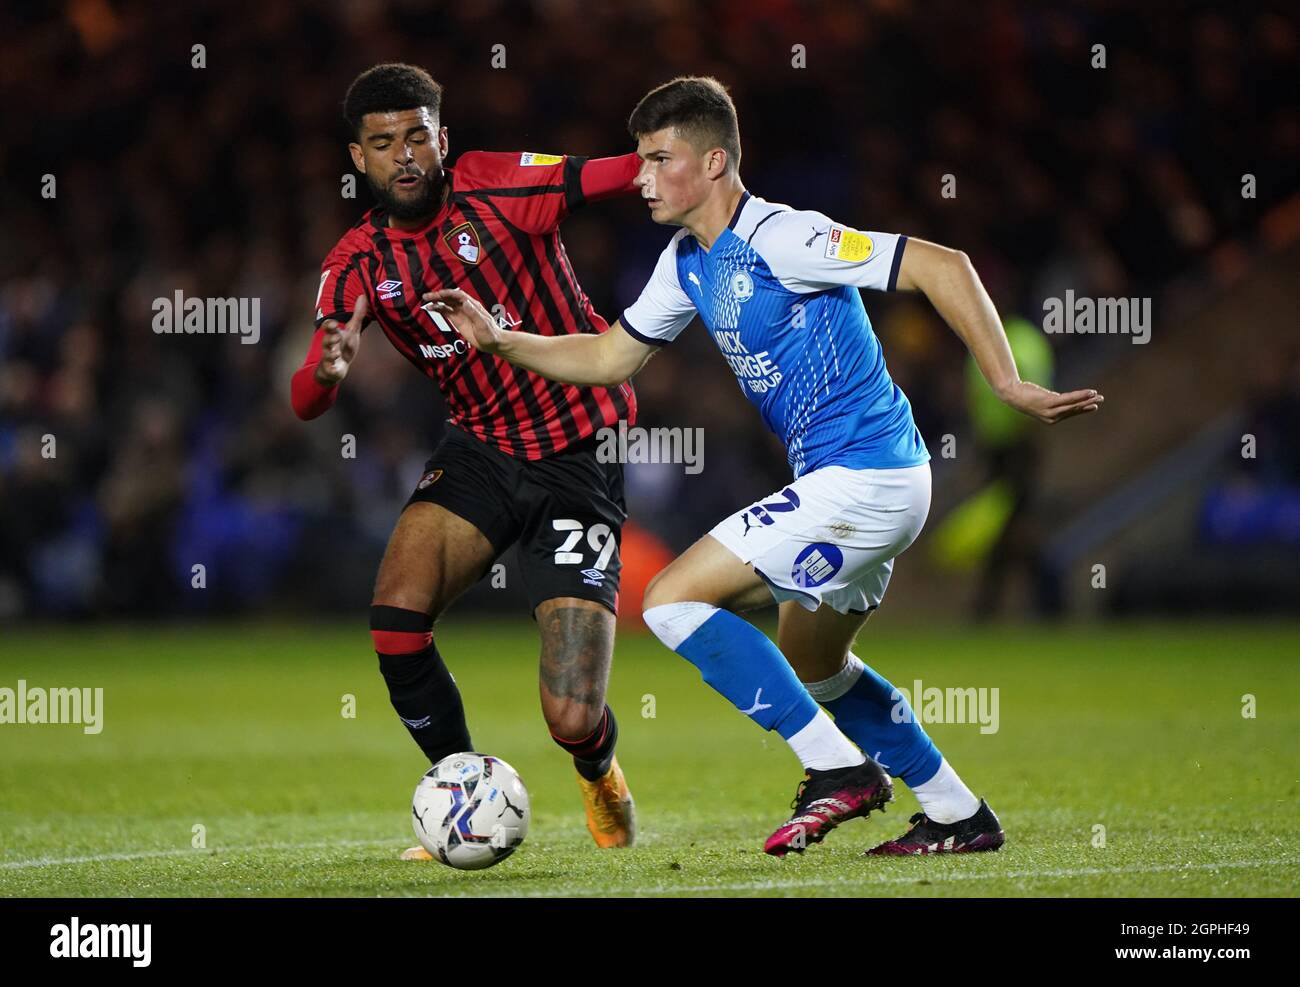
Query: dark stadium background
(225, 181)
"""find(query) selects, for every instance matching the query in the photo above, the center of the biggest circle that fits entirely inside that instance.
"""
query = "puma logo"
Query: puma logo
(816, 234)
(509, 805)
(757, 704)
(419, 817)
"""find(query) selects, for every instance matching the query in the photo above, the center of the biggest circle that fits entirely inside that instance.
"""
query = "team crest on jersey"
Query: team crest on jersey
(429, 479)
(848, 245)
(464, 241)
(742, 286)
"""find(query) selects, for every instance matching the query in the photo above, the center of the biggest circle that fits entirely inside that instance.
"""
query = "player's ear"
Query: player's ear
(358, 156)
(715, 165)
(442, 142)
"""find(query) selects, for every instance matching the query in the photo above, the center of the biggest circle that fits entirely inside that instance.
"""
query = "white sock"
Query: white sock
(945, 797)
(821, 746)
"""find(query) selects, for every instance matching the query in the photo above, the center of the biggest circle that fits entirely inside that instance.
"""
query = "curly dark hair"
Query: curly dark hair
(388, 87)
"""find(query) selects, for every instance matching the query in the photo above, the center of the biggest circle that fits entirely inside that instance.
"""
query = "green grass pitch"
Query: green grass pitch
(239, 729)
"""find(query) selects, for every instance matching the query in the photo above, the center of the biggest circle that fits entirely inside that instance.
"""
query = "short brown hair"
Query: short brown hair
(699, 107)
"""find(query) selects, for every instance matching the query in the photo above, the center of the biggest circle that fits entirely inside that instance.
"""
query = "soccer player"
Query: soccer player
(518, 462)
(777, 289)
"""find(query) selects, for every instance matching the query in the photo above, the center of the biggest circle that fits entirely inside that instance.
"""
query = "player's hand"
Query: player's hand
(340, 345)
(470, 318)
(1047, 406)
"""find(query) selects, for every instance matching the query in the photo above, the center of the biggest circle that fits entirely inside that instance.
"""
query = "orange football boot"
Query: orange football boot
(611, 815)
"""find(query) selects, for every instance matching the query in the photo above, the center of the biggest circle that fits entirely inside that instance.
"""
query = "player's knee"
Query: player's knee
(673, 623)
(404, 597)
(571, 720)
(662, 590)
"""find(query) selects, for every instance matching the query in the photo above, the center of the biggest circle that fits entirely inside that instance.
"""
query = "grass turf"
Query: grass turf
(238, 729)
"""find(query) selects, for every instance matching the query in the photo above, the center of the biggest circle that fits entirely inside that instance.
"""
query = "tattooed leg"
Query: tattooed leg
(577, 648)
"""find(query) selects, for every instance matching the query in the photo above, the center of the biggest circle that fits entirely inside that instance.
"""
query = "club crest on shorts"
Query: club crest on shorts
(464, 241)
(429, 479)
(816, 564)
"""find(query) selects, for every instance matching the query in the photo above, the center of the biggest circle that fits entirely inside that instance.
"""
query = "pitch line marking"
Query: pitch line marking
(932, 878)
(206, 852)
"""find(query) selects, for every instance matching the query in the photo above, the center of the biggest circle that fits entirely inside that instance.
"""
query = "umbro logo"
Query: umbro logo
(388, 289)
(593, 577)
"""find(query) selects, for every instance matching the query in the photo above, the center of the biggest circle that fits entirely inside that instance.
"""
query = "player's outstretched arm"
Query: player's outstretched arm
(333, 347)
(602, 360)
(948, 279)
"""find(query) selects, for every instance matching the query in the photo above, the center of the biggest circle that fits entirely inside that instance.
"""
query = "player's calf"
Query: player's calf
(420, 686)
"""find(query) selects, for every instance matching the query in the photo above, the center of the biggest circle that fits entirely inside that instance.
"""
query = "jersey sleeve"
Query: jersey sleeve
(340, 286)
(664, 309)
(807, 251)
(309, 397)
(536, 191)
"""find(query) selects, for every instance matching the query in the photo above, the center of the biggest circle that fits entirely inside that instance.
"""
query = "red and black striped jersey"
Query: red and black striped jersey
(497, 238)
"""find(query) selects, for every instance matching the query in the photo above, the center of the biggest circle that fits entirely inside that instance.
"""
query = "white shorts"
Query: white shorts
(832, 535)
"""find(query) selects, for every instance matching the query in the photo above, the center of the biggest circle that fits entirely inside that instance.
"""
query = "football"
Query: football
(470, 811)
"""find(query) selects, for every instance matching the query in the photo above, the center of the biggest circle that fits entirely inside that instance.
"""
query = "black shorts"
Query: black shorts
(566, 512)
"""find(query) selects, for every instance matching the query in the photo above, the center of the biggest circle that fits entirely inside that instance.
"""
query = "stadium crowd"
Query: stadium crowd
(126, 456)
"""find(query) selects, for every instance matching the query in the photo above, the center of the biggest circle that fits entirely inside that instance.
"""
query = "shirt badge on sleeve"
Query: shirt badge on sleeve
(848, 245)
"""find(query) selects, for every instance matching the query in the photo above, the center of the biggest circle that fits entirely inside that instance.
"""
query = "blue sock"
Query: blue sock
(868, 713)
(739, 661)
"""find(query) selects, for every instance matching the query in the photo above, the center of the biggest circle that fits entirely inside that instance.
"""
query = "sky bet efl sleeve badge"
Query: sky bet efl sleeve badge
(848, 245)
(464, 241)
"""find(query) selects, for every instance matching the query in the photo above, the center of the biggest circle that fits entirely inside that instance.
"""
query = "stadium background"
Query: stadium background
(225, 181)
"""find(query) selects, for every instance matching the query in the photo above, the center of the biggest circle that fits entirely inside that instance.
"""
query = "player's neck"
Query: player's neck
(715, 213)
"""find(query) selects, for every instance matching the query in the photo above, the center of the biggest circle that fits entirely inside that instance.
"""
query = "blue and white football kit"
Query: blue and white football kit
(778, 292)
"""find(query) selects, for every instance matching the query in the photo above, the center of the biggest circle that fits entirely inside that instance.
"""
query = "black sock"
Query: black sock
(419, 685)
(593, 754)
